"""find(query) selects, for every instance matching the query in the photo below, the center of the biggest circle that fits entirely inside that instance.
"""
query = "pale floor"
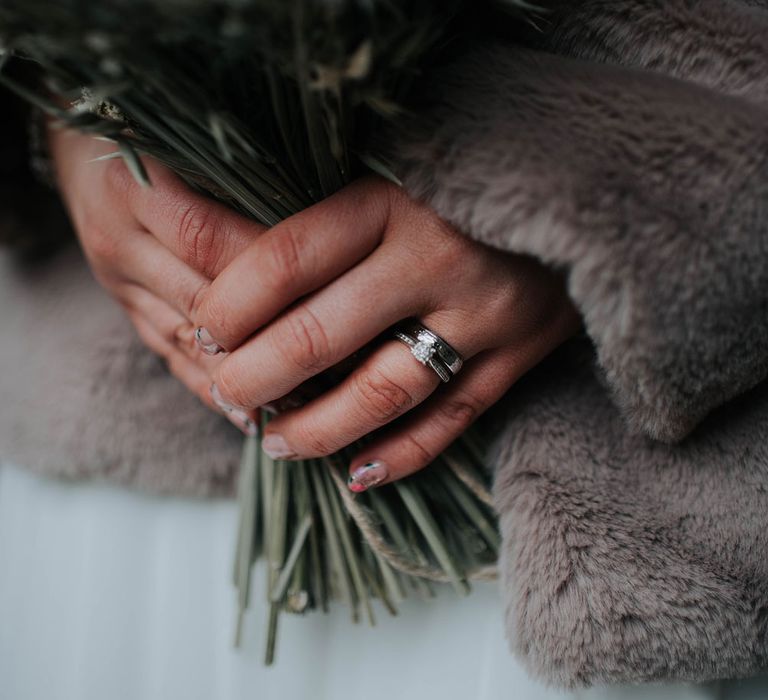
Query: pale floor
(105, 594)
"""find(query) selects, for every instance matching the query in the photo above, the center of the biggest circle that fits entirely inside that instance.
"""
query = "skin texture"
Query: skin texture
(625, 558)
(149, 248)
(288, 303)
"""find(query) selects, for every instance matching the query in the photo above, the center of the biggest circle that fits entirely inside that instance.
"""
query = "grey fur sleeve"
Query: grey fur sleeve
(652, 192)
(719, 44)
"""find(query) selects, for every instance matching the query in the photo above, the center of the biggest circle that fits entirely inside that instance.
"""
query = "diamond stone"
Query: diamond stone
(423, 351)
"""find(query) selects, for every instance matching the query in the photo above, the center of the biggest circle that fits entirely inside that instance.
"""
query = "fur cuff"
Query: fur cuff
(651, 192)
(714, 43)
(624, 559)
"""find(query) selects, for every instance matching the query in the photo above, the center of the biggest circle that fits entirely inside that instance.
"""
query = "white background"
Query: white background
(110, 595)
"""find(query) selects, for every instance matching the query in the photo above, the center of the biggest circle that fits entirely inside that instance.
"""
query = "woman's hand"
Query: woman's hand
(327, 281)
(314, 289)
(153, 249)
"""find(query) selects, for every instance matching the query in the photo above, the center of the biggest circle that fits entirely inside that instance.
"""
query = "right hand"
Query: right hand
(154, 249)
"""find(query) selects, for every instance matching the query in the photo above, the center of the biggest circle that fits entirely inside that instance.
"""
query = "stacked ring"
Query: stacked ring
(430, 349)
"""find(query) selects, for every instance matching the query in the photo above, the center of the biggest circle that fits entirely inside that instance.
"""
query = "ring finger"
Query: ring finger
(388, 384)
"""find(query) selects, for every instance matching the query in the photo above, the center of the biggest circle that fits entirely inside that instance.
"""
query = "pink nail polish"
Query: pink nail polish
(276, 447)
(206, 342)
(367, 476)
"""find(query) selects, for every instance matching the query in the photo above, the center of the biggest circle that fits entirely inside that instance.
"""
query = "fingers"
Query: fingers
(145, 262)
(203, 233)
(169, 335)
(412, 443)
(387, 385)
(317, 333)
(417, 440)
(294, 258)
(190, 373)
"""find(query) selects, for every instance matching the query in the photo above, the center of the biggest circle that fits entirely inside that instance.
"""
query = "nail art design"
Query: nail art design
(367, 476)
(237, 416)
(206, 342)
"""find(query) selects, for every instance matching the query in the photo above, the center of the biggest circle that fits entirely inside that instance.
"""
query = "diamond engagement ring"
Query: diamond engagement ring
(430, 349)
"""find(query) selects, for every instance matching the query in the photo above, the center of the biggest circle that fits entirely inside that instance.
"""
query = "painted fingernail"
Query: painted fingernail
(237, 416)
(276, 447)
(206, 342)
(367, 476)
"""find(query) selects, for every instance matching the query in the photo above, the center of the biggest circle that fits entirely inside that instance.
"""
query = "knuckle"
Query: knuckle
(103, 248)
(420, 455)
(460, 411)
(305, 342)
(313, 442)
(284, 259)
(439, 251)
(380, 397)
(183, 337)
(228, 380)
(451, 254)
(197, 235)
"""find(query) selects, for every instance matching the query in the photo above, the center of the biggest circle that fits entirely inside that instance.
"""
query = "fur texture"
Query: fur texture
(720, 44)
(82, 397)
(625, 558)
(653, 194)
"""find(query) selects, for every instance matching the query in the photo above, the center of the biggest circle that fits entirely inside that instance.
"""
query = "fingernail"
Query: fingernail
(206, 342)
(244, 422)
(237, 416)
(367, 476)
(276, 447)
(218, 400)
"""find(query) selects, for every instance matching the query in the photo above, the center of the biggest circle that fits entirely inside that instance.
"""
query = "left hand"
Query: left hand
(153, 249)
(308, 293)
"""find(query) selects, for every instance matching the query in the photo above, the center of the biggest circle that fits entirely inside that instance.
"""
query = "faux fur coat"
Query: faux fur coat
(627, 144)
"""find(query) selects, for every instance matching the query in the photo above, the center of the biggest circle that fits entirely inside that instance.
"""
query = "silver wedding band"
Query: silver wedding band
(430, 349)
